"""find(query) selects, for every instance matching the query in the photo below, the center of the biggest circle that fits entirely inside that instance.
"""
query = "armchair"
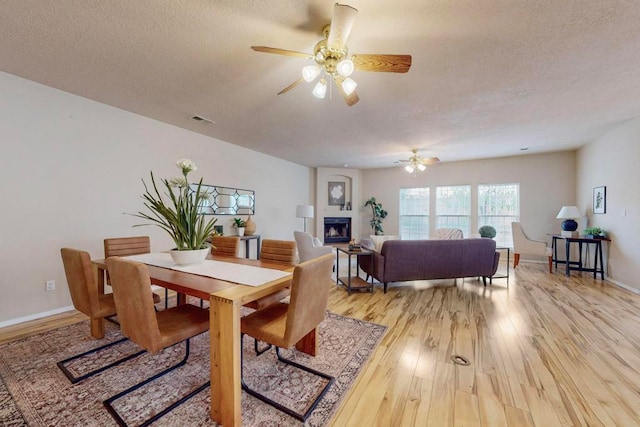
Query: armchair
(523, 245)
(310, 247)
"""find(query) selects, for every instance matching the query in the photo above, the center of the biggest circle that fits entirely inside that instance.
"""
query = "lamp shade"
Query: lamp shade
(304, 211)
(569, 213)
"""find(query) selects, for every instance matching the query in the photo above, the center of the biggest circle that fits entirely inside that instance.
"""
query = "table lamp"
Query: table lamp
(304, 212)
(569, 214)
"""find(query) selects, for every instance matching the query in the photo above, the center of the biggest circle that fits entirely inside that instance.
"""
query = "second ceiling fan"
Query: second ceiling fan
(333, 61)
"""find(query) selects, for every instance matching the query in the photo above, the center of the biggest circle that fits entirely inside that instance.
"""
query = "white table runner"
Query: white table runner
(228, 271)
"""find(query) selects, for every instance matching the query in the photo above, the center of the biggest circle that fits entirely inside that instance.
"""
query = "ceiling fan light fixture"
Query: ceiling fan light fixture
(320, 89)
(310, 72)
(345, 67)
(409, 168)
(349, 85)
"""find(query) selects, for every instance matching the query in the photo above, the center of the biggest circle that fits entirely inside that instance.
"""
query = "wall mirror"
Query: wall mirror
(226, 201)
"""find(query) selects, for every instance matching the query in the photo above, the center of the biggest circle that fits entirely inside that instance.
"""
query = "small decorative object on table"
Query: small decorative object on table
(240, 224)
(249, 226)
(353, 246)
(594, 233)
(487, 231)
(180, 217)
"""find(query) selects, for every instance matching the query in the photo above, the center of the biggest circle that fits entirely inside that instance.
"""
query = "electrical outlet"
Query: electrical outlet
(50, 285)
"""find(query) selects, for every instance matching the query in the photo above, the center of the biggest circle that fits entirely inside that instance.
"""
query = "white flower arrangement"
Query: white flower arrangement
(180, 218)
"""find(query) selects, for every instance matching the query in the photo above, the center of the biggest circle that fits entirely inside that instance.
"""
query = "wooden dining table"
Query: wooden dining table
(225, 301)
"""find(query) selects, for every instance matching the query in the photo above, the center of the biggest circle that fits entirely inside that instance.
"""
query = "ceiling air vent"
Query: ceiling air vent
(202, 119)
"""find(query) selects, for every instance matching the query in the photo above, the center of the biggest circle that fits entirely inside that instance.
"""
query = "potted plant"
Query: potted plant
(240, 224)
(594, 232)
(378, 214)
(179, 216)
(487, 231)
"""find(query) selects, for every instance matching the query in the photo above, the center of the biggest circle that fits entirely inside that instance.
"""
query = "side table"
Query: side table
(502, 276)
(349, 281)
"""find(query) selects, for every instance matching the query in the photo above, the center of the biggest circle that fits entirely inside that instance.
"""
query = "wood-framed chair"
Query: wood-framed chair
(523, 245)
(123, 246)
(225, 245)
(283, 325)
(86, 299)
(150, 329)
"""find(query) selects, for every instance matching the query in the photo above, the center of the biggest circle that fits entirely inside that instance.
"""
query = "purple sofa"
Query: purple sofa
(402, 260)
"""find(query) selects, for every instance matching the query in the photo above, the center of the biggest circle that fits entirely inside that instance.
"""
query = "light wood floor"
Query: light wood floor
(546, 351)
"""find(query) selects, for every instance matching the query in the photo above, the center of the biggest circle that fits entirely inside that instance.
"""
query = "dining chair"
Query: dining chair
(283, 325)
(123, 246)
(279, 251)
(86, 299)
(523, 245)
(150, 329)
(225, 245)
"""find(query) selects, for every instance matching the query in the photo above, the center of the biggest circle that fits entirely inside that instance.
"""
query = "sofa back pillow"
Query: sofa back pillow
(379, 240)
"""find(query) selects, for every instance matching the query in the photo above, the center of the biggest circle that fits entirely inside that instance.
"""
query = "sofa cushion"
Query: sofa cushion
(378, 241)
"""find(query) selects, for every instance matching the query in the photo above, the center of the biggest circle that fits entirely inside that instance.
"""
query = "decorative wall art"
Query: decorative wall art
(336, 193)
(600, 200)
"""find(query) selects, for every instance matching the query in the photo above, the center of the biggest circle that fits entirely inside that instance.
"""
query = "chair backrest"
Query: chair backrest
(304, 242)
(309, 296)
(134, 302)
(82, 284)
(448, 234)
(225, 245)
(524, 245)
(278, 250)
(121, 246)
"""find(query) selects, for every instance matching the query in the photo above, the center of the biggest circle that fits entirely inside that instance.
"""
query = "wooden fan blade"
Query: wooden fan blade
(350, 99)
(382, 63)
(277, 51)
(430, 161)
(291, 86)
(341, 24)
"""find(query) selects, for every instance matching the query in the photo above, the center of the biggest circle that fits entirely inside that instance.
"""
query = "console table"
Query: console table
(247, 240)
(598, 264)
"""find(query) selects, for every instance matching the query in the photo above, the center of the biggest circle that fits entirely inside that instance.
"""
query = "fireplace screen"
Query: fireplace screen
(337, 230)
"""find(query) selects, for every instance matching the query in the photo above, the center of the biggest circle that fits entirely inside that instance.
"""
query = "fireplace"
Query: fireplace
(337, 230)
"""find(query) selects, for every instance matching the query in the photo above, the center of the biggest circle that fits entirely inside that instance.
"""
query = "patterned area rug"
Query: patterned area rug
(39, 394)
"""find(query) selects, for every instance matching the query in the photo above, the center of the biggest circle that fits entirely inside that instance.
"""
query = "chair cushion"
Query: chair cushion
(267, 325)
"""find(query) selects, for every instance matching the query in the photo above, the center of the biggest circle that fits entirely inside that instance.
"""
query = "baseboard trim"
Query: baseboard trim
(623, 286)
(35, 316)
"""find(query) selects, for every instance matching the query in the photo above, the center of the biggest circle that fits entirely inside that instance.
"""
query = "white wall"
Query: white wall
(72, 166)
(547, 182)
(613, 161)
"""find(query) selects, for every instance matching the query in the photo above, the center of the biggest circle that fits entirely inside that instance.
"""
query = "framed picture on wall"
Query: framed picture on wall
(600, 200)
(336, 193)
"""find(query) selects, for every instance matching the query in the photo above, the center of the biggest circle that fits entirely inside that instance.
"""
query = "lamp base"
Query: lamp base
(569, 225)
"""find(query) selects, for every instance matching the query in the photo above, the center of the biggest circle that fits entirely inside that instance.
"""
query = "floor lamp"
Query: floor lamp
(304, 212)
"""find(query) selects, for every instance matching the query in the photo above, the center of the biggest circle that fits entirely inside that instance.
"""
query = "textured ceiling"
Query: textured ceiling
(488, 77)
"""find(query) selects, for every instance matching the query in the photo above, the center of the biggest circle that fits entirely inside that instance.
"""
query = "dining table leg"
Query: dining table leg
(225, 348)
(97, 324)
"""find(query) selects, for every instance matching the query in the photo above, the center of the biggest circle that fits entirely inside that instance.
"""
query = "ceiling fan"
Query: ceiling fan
(333, 61)
(416, 163)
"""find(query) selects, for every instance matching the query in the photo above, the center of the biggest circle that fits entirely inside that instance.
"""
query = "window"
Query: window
(499, 206)
(453, 208)
(414, 213)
